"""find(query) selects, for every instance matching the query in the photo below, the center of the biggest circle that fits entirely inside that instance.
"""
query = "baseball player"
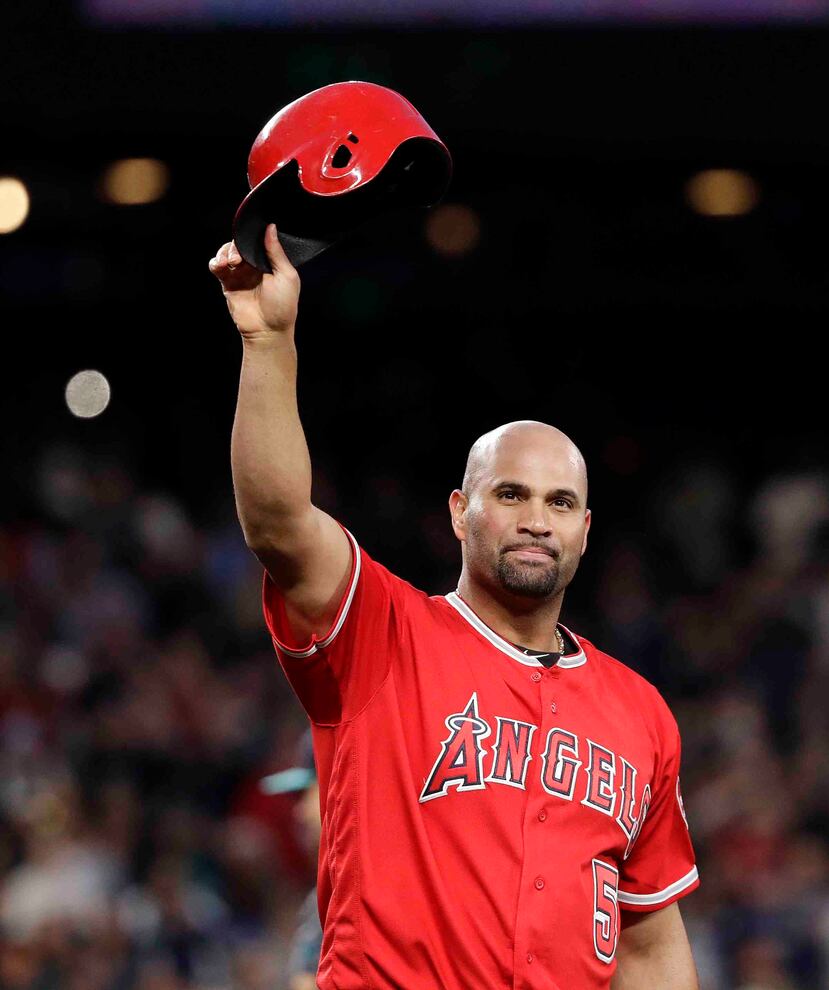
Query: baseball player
(500, 799)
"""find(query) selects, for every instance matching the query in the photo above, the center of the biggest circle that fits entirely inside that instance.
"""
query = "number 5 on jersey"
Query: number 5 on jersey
(605, 910)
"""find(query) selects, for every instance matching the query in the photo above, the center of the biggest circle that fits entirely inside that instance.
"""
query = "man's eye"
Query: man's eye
(509, 495)
(563, 502)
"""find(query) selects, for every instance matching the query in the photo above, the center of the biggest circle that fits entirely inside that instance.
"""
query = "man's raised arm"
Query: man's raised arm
(305, 552)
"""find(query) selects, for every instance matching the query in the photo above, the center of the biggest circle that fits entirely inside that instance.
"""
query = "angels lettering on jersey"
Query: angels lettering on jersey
(572, 768)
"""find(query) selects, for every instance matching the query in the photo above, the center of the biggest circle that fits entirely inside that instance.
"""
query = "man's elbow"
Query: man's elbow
(287, 546)
(654, 953)
(276, 532)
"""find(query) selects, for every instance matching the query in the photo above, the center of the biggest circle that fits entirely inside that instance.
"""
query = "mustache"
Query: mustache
(550, 551)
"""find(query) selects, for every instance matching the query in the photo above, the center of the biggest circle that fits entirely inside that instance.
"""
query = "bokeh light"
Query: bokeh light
(14, 204)
(134, 181)
(722, 192)
(453, 229)
(87, 394)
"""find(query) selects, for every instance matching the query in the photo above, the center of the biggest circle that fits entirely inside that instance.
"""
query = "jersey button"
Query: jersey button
(539, 883)
(535, 676)
(542, 815)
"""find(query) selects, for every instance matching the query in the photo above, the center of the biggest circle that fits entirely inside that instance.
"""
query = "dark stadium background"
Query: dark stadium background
(683, 353)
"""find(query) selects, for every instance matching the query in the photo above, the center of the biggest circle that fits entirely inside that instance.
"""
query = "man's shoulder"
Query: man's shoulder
(368, 564)
(625, 677)
(431, 603)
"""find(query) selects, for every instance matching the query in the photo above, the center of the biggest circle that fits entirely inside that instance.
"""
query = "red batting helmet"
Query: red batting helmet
(332, 160)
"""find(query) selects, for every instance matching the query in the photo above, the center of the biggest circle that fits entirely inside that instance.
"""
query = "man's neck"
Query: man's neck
(528, 622)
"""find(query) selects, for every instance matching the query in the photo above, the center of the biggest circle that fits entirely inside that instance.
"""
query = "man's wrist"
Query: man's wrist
(268, 339)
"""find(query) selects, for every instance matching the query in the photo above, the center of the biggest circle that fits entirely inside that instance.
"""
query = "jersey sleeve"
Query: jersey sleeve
(660, 867)
(336, 675)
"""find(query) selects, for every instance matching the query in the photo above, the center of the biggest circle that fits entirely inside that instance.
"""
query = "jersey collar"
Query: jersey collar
(460, 606)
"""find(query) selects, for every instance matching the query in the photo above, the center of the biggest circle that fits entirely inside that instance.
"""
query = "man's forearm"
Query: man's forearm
(268, 452)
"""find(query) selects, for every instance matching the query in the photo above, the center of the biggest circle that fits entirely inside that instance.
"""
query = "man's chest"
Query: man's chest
(486, 735)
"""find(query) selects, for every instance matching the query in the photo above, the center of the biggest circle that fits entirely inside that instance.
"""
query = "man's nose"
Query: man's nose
(535, 519)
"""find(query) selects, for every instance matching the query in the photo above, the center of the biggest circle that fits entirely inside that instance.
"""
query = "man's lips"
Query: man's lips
(530, 551)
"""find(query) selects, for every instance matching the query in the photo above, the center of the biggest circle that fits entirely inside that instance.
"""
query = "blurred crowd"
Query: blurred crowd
(141, 705)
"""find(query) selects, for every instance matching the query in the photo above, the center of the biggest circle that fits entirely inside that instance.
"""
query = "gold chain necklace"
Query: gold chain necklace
(559, 637)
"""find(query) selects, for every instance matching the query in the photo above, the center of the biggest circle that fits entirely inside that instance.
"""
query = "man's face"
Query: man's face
(524, 522)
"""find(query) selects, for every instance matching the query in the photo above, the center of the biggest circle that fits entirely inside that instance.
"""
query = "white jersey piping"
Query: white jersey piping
(661, 895)
(329, 639)
(460, 606)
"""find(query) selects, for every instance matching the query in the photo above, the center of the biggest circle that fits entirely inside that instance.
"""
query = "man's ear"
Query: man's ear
(588, 515)
(458, 503)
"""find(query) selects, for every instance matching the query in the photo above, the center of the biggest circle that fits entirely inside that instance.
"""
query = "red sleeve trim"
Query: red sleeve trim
(662, 898)
(317, 642)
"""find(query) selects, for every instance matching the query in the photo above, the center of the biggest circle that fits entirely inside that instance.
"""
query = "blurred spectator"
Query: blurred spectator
(307, 940)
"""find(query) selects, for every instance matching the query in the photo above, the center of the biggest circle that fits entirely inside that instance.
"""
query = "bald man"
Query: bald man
(500, 799)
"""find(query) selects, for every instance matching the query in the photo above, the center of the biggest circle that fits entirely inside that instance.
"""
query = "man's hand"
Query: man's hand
(260, 305)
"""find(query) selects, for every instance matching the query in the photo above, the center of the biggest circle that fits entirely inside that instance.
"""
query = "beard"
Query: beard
(529, 580)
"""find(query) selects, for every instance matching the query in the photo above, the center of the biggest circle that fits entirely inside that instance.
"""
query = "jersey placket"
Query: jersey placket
(534, 932)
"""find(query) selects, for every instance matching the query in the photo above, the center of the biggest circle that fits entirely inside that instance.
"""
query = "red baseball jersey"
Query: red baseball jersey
(484, 817)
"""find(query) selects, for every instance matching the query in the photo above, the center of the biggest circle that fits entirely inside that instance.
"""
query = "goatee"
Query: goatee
(528, 580)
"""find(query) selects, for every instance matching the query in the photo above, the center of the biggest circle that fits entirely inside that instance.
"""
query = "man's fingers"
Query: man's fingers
(227, 259)
(220, 258)
(233, 256)
(276, 253)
